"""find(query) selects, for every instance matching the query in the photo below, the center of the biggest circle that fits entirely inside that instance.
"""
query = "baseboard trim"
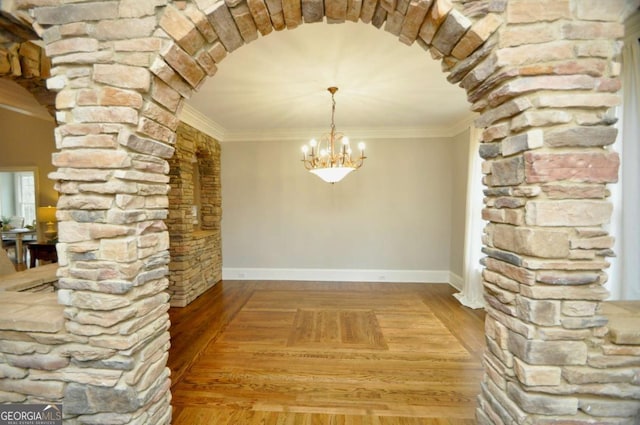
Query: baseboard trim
(456, 281)
(339, 275)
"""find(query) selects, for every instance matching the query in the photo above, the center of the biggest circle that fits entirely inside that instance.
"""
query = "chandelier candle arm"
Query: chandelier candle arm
(322, 158)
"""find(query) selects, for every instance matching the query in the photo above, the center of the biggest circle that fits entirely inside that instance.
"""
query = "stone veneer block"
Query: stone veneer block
(589, 167)
(550, 353)
(507, 172)
(512, 145)
(165, 94)
(244, 22)
(568, 213)
(524, 85)
(292, 11)
(171, 78)
(479, 32)
(625, 330)
(539, 312)
(72, 45)
(181, 29)
(336, 10)
(506, 110)
(531, 375)
(24, 311)
(541, 403)
(596, 10)
(540, 118)
(535, 242)
(451, 31)
(118, 29)
(183, 64)
(526, 11)
(276, 14)
(354, 7)
(64, 14)
(379, 16)
(201, 22)
(436, 16)
(393, 24)
(124, 76)
(260, 15)
(586, 293)
(574, 191)
(581, 136)
(413, 21)
(224, 25)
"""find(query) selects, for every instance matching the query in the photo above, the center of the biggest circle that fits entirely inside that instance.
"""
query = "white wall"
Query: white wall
(390, 220)
(459, 176)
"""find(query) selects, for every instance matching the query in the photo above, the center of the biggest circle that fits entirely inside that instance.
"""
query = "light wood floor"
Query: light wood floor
(325, 353)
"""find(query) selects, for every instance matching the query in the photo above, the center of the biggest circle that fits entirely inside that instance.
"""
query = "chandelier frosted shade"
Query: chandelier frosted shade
(332, 174)
(326, 161)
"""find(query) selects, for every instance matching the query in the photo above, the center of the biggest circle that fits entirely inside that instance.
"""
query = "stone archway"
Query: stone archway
(542, 83)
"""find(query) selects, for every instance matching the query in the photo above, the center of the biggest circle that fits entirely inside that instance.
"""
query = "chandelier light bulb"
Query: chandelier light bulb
(345, 140)
(313, 143)
(361, 146)
(305, 149)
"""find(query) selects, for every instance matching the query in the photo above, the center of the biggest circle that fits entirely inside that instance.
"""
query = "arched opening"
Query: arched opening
(286, 224)
(541, 315)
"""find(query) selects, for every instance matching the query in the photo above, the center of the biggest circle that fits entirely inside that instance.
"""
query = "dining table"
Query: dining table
(18, 235)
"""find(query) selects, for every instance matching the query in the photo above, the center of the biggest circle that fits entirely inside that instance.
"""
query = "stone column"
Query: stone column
(544, 94)
(113, 142)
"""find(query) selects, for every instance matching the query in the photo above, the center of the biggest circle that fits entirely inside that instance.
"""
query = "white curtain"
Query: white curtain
(471, 295)
(624, 281)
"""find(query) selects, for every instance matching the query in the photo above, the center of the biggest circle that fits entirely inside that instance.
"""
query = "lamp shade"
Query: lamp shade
(47, 214)
(332, 174)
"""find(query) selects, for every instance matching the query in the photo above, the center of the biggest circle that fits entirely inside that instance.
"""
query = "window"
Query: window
(18, 194)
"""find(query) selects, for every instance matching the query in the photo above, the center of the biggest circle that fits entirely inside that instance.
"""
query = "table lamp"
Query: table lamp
(48, 215)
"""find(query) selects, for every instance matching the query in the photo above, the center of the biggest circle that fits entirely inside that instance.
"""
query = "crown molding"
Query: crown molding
(195, 118)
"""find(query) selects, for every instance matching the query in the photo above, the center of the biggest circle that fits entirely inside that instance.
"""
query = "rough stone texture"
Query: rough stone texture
(196, 247)
(544, 80)
(479, 32)
(415, 16)
(451, 31)
(534, 242)
(224, 25)
(581, 136)
(568, 213)
(590, 167)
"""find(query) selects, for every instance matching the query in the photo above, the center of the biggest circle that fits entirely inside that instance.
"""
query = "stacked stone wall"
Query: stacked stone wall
(545, 94)
(543, 74)
(45, 359)
(196, 248)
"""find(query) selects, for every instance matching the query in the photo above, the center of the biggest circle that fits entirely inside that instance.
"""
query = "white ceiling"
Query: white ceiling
(276, 87)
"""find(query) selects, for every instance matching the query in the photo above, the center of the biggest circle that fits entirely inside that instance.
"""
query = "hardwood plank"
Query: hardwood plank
(195, 326)
(318, 353)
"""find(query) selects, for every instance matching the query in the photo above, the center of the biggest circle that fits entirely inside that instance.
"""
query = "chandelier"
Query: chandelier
(327, 161)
